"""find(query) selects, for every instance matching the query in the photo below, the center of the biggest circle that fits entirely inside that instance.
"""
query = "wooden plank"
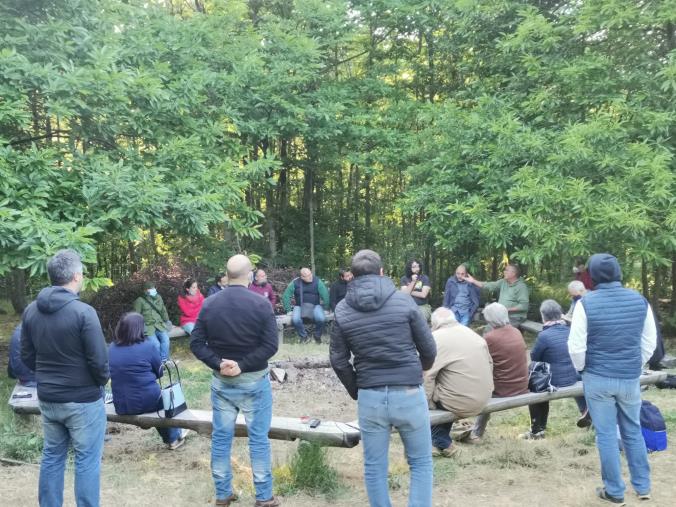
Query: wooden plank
(329, 433)
(529, 325)
(177, 332)
(523, 400)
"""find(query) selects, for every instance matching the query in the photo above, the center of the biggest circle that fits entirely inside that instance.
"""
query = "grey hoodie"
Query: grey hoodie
(63, 343)
(385, 331)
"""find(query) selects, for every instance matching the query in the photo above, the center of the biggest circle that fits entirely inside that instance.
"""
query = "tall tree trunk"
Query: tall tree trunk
(17, 289)
(311, 218)
(133, 264)
(153, 245)
(644, 280)
(368, 239)
(657, 288)
(673, 284)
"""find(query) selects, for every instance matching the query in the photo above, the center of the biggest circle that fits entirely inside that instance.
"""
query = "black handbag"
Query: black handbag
(540, 377)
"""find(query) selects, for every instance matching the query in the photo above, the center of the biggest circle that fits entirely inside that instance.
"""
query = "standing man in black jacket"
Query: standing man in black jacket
(235, 335)
(63, 343)
(392, 345)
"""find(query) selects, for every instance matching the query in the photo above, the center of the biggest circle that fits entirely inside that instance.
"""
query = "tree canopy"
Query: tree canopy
(303, 130)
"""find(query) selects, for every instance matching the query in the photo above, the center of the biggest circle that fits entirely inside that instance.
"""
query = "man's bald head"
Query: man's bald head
(306, 275)
(238, 267)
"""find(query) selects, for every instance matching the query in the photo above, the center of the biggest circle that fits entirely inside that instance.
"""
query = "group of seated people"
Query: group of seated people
(470, 369)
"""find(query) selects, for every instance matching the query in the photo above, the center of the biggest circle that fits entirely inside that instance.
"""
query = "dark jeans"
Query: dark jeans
(441, 435)
(539, 413)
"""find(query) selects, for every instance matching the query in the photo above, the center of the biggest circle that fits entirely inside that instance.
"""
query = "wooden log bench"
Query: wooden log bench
(282, 322)
(328, 433)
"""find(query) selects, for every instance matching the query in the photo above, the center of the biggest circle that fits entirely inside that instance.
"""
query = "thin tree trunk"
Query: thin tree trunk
(644, 280)
(368, 239)
(657, 288)
(311, 220)
(673, 284)
(133, 266)
(17, 290)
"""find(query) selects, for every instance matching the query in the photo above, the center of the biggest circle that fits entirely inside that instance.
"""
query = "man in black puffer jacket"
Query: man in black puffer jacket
(62, 341)
(392, 345)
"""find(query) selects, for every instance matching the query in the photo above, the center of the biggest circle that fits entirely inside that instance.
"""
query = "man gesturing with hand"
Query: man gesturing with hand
(235, 335)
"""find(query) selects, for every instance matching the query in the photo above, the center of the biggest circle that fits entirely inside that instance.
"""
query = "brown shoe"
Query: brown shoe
(226, 501)
(273, 502)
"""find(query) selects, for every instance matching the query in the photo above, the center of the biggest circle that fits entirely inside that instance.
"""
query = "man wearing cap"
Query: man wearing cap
(156, 318)
(612, 336)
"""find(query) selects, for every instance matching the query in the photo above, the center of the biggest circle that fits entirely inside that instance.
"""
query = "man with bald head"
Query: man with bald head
(308, 292)
(235, 335)
(461, 297)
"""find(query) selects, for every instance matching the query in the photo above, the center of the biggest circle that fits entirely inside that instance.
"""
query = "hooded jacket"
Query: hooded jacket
(63, 343)
(615, 320)
(387, 334)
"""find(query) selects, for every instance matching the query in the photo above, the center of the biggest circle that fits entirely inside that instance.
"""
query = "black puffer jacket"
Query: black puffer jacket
(63, 343)
(385, 331)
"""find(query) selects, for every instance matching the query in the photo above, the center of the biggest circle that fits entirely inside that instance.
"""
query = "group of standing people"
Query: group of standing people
(382, 350)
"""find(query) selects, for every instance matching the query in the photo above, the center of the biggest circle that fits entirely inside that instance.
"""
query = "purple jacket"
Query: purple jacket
(266, 291)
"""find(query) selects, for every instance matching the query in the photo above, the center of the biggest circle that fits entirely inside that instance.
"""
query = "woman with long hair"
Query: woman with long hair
(190, 302)
(135, 366)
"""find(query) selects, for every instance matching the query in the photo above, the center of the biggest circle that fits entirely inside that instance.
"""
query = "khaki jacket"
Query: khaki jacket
(461, 379)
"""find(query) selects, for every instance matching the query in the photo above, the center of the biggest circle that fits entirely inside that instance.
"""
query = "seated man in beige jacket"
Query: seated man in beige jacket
(461, 379)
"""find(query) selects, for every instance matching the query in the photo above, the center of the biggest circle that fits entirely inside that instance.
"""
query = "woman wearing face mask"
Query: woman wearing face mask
(157, 323)
(190, 303)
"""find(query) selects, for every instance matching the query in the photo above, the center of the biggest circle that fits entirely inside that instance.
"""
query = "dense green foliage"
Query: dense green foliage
(302, 130)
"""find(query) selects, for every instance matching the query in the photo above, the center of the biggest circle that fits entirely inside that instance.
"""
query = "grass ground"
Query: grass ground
(503, 470)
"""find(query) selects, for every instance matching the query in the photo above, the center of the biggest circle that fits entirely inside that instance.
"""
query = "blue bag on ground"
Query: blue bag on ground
(653, 427)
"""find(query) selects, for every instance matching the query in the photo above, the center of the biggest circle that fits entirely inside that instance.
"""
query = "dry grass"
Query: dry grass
(562, 470)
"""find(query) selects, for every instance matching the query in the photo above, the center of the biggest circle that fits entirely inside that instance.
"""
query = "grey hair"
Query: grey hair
(550, 310)
(441, 317)
(576, 286)
(64, 266)
(496, 315)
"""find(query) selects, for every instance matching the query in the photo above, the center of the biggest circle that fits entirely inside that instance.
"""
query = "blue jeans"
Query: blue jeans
(161, 341)
(254, 399)
(188, 327)
(616, 402)
(463, 318)
(318, 316)
(168, 435)
(83, 425)
(405, 408)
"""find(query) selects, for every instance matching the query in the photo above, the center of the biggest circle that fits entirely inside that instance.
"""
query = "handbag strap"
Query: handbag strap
(153, 307)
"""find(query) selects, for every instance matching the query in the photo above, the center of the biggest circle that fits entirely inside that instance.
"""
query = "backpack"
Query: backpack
(540, 377)
(653, 427)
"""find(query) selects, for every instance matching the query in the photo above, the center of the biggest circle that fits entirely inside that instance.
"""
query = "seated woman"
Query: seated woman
(190, 303)
(135, 366)
(551, 347)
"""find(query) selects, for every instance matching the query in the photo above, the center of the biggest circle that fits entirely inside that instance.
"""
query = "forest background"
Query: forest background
(175, 133)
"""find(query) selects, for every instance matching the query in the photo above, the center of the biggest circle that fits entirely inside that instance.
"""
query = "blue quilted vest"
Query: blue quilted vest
(615, 319)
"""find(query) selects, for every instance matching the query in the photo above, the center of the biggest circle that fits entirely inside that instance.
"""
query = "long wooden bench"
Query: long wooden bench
(328, 433)
(282, 322)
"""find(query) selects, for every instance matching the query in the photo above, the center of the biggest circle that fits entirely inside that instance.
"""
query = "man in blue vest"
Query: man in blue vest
(308, 292)
(612, 336)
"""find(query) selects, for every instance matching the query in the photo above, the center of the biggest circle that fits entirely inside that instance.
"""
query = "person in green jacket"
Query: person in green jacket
(156, 318)
(513, 293)
(309, 294)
